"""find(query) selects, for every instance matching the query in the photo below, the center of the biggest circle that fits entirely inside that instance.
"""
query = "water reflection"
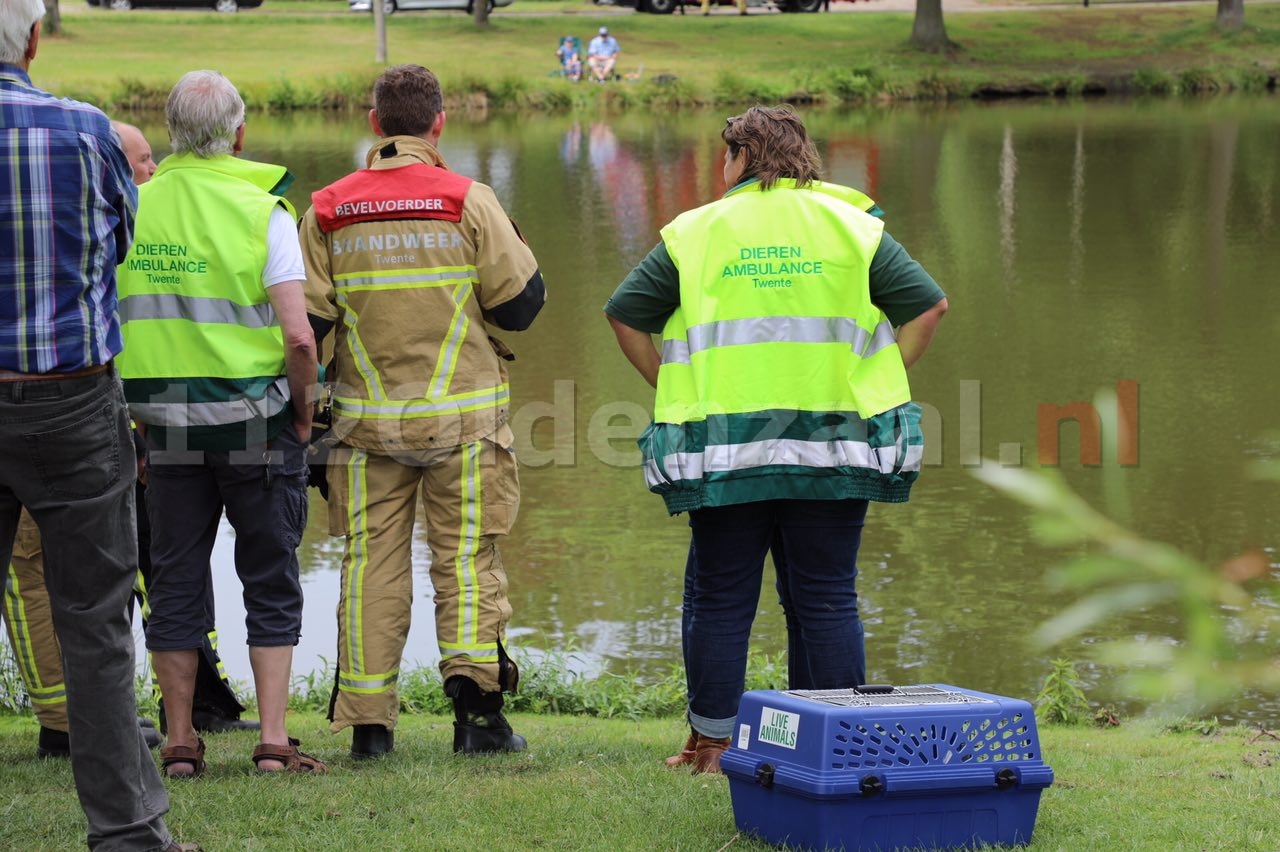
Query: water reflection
(1008, 207)
(1076, 261)
(1081, 243)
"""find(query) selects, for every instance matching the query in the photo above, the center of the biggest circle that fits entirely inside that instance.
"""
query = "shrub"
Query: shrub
(1151, 82)
(732, 89)
(853, 84)
(1061, 700)
(1197, 81)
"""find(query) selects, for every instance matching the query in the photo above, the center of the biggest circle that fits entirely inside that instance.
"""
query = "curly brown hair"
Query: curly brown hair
(776, 143)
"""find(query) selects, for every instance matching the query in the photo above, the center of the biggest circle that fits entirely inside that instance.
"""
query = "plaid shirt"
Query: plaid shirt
(67, 203)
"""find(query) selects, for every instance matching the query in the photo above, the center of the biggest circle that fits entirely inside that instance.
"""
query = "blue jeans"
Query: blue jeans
(799, 671)
(69, 459)
(815, 544)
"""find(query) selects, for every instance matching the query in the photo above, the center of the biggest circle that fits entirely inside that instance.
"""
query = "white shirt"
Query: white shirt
(284, 252)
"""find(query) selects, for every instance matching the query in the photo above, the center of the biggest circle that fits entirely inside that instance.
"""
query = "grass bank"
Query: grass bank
(588, 784)
(309, 54)
(593, 778)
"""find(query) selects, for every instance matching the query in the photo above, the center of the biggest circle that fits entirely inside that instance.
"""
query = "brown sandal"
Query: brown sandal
(182, 754)
(293, 759)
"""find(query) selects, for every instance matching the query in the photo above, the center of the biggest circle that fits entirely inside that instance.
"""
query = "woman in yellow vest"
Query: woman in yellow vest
(782, 406)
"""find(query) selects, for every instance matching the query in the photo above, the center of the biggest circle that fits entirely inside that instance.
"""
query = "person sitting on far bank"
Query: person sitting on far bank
(570, 58)
(602, 56)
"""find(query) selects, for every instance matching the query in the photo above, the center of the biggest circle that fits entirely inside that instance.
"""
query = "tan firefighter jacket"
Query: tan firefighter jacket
(407, 260)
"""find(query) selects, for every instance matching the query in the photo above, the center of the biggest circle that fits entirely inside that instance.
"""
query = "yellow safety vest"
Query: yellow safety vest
(779, 377)
(204, 351)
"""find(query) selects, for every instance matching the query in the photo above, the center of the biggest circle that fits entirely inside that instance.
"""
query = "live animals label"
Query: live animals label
(779, 727)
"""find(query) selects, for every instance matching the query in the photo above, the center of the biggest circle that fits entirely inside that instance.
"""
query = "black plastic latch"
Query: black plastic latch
(764, 775)
(1006, 778)
(871, 786)
(875, 688)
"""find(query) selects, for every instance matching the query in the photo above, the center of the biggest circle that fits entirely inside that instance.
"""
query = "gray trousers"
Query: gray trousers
(266, 506)
(69, 459)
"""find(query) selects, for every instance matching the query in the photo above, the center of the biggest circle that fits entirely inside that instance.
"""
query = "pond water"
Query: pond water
(1082, 244)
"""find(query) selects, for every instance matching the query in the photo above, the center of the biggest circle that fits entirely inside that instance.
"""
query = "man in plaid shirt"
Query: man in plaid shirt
(66, 219)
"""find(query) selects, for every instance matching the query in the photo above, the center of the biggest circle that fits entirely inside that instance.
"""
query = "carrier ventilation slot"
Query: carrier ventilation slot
(867, 744)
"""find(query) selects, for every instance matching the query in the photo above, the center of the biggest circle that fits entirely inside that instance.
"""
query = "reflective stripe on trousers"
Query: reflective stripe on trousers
(29, 623)
(471, 495)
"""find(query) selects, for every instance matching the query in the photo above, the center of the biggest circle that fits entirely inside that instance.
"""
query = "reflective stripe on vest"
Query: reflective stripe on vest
(803, 455)
(779, 328)
(723, 458)
(164, 306)
(172, 409)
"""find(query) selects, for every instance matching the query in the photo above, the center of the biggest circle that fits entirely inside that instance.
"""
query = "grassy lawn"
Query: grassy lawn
(589, 784)
(314, 53)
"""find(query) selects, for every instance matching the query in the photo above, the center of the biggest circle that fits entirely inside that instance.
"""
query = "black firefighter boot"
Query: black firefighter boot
(371, 741)
(480, 727)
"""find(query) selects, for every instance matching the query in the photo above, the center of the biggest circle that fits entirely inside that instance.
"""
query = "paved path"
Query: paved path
(954, 6)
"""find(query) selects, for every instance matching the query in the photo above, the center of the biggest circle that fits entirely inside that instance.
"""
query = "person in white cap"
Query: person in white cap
(602, 56)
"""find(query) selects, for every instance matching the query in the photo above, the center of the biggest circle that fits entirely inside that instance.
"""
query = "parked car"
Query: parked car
(390, 7)
(216, 5)
(666, 7)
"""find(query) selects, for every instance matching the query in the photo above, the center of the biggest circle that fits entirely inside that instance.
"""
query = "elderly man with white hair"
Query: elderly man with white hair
(218, 361)
(66, 218)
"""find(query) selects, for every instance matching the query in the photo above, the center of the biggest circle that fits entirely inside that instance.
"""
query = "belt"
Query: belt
(11, 376)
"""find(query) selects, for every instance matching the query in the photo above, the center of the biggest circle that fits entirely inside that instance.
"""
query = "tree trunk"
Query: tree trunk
(53, 18)
(379, 32)
(1230, 16)
(928, 33)
(480, 12)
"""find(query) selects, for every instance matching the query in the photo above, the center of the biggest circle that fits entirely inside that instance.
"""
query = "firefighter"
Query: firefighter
(409, 261)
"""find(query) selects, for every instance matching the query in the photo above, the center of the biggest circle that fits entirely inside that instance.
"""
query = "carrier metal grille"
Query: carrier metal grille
(964, 732)
(899, 696)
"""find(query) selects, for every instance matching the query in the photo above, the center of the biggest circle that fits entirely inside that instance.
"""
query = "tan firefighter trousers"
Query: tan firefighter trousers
(29, 622)
(471, 494)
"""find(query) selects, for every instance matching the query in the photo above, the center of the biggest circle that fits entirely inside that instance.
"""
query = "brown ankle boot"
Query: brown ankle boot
(686, 754)
(706, 755)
